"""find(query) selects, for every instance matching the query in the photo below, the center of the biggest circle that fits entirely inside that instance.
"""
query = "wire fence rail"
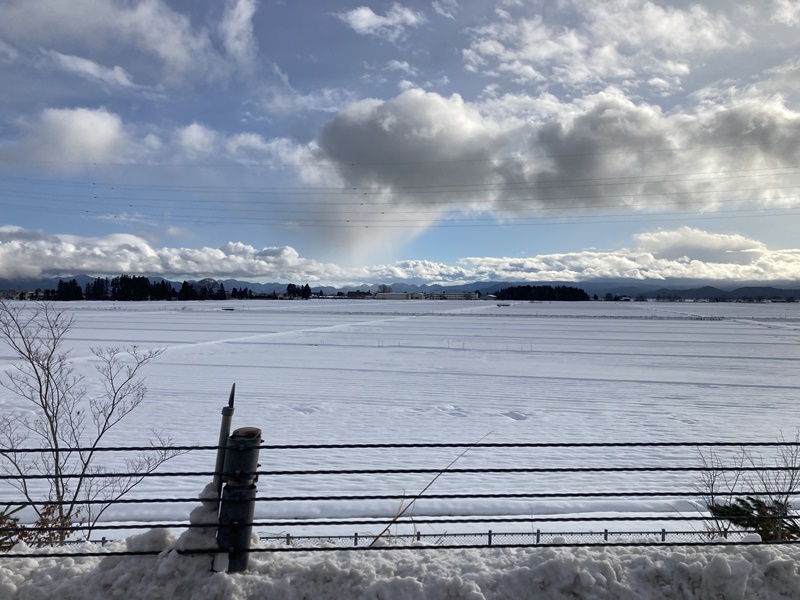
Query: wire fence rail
(491, 538)
(300, 532)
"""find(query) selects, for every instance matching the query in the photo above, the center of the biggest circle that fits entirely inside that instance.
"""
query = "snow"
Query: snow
(720, 572)
(418, 371)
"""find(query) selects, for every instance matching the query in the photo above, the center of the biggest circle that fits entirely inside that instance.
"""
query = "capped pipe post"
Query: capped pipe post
(238, 496)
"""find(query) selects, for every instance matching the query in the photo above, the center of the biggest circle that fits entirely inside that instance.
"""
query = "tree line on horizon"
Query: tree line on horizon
(559, 293)
(121, 288)
(138, 288)
(133, 288)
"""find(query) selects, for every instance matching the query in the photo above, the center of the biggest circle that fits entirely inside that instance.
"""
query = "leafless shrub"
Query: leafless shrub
(746, 492)
(65, 424)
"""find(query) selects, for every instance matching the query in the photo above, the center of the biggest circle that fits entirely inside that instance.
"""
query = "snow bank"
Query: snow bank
(729, 573)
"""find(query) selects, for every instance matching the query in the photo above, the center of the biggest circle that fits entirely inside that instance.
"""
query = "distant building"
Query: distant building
(13, 295)
(399, 296)
(454, 296)
(360, 295)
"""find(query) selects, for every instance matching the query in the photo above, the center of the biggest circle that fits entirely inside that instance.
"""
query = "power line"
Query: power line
(226, 204)
(356, 221)
(515, 158)
(355, 224)
(380, 209)
(433, 188)
(522, 216)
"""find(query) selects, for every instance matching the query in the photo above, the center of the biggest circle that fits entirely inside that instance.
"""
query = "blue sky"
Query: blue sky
(446, 141)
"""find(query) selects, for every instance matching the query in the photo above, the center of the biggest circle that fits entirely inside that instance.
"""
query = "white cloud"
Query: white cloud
(70, 139)
(642, 24)
(283, 99)
(7, 52)
(442, 81)
(91, 70)
(150, 27)
(156, 28)
(80, 135)
(786, 12)
(686, 253)
(197, 139)
(446, 8)
(603, 42)
(390, 27)
(173, 231)
(402, 66)
(701, 245)
(405, 84)
(25, 253)
(683, 254)
(236, 29)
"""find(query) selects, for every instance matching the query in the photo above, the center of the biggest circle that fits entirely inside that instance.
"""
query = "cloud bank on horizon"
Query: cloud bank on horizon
(679, 254)
(154, 133)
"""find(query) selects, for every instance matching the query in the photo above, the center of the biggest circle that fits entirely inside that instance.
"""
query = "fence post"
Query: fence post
(355, 539)
(490, 537)
(663, 535)
(605, 535)
(224, 432)
(238, 496)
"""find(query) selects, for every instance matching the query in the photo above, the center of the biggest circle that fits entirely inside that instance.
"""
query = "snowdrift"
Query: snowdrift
(721, 572)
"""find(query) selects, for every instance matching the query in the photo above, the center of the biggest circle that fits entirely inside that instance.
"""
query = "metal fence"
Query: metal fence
(657, 471)
(505, 539)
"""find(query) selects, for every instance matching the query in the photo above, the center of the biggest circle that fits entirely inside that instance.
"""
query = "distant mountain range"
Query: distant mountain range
(677, 289)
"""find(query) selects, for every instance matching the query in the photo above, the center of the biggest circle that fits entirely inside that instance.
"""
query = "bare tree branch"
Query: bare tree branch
(62, 418)
(748, 493)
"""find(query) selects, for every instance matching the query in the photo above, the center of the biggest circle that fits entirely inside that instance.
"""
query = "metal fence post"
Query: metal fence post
(224, 432)
(238, 496)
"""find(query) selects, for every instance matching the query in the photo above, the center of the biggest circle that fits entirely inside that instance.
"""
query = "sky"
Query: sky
(444, 141)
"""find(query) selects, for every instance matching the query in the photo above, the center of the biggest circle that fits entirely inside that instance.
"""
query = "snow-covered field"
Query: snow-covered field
(361, 371)
(343, 371)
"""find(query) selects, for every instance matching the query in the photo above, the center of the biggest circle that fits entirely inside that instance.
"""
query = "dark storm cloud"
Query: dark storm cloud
(438, 155)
